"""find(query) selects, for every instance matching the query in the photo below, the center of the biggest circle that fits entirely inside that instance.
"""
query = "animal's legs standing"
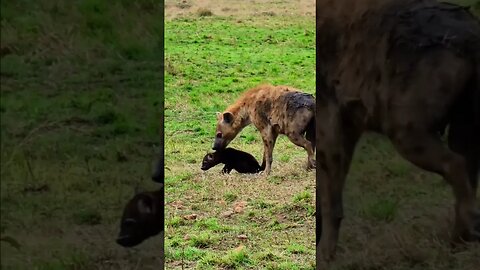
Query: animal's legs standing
(299, 140)
(427, 152)
(463, 140)
(269, 137)
(334, 154)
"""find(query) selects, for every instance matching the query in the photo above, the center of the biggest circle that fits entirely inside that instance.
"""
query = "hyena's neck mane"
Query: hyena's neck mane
(240, 115)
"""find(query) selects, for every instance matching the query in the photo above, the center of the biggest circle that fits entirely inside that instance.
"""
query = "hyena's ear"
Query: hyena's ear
(219, 115)
(228, 117)
(145, 205)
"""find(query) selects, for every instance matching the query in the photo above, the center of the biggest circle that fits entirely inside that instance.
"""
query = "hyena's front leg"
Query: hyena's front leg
(299, 140)
(335, 142)
(226, 169)
(269, 137)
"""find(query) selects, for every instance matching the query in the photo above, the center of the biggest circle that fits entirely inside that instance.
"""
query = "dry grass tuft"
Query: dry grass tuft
(203, 12)
(269, 13)
(183, 4)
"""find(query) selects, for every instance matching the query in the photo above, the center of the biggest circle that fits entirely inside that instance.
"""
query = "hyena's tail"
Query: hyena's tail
(476, 95)
(310, 132)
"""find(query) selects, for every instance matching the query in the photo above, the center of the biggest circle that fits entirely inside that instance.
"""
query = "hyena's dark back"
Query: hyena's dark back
(298, 100)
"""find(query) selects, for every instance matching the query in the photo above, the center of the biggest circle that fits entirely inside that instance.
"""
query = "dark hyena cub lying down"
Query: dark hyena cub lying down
(143, 216)
(235, 159)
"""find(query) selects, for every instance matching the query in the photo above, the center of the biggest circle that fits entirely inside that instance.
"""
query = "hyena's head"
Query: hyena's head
(210, 160)
(225, 132)
(142, 218)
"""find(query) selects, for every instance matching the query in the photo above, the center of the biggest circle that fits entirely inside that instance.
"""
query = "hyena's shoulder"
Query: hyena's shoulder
(270, 96)
(292, 98)
(252, 95)
(265, 92)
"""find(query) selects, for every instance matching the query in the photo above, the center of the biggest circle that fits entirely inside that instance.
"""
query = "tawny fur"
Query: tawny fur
(273, 110)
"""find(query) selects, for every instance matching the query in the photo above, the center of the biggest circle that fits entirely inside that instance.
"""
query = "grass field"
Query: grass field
(79, 131)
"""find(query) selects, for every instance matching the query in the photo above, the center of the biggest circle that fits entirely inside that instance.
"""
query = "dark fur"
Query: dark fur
(296, 101)
(405, 69)
(142, 218)
(233, 159)
(158, 173)
(143, 215)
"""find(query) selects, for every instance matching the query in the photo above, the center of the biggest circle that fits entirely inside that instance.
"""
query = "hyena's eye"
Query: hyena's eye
(219, 135)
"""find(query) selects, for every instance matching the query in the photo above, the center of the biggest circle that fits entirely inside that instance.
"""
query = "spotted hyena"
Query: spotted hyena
(406, 69)
(273, 110)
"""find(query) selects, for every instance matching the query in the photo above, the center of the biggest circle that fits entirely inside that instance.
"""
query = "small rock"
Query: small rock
(227, 213)
(242, 237)
(239, 248)
(177, 204)
(238, 207)
(190, 217)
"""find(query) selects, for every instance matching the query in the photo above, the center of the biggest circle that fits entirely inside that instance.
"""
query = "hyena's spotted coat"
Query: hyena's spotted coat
(273, 110)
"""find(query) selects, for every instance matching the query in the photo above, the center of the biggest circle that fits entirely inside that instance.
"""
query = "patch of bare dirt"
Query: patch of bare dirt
(181, 8)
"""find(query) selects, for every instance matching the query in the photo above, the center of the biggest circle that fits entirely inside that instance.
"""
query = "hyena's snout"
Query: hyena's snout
(216, 145)
(220, 142)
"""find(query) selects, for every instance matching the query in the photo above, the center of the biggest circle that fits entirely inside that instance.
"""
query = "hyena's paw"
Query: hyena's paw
(476, 226)
(311, 164)
(264, 173)
(327, 250)
(474, 234)
(462, 234)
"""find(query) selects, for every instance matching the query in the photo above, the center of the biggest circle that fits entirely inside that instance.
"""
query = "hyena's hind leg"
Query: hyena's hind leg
(298, 139)
(303, 123)
(427, 152)
(463, 139)
(310, 132)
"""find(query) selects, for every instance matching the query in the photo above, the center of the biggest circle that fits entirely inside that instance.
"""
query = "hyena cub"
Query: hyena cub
(142, 218)
(143, 215)
(273, 110)
(235, 159)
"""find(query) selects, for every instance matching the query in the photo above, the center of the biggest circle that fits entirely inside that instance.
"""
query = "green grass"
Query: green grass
(381, 210)
(302, 196)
